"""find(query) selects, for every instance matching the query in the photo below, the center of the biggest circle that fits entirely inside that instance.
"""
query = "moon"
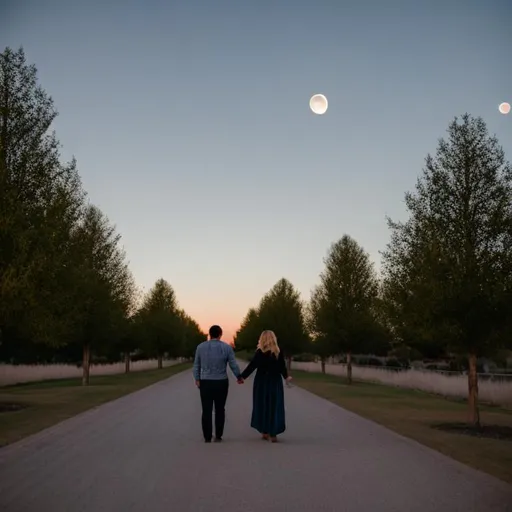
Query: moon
(504, 108)
(318, 104)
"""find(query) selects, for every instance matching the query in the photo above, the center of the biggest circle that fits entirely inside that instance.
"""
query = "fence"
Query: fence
(493, 388)
(16, 374)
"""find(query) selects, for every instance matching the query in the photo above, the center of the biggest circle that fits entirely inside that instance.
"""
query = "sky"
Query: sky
(191, 126)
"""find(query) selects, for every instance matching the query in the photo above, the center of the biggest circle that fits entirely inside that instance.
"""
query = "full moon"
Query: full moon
(504, 108)
(318, 104)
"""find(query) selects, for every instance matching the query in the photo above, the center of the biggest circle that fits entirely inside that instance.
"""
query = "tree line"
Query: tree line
(67, 294)
(445, 286)
(66, 291)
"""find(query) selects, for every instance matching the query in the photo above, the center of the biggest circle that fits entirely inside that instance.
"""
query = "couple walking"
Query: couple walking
(210, 374)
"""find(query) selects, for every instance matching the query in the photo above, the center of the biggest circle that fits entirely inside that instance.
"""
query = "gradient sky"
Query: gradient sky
(190, 123)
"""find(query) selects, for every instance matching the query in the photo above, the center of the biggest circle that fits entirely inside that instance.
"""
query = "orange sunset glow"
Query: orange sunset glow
(228, 332)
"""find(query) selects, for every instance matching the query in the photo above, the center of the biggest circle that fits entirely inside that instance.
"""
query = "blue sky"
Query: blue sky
(192, 131)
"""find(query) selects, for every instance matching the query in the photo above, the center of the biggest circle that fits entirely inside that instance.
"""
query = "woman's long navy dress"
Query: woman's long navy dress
(268, 415)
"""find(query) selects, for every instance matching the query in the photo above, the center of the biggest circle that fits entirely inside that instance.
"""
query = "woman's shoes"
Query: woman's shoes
(273, 439)
(265, 437)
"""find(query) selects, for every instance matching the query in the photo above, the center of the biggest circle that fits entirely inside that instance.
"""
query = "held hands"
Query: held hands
(239, 380)
(288, 379)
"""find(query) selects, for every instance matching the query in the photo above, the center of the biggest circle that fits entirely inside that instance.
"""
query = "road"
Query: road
(145, 452)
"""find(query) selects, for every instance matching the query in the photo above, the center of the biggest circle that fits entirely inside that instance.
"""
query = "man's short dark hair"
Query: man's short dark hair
(215, 332)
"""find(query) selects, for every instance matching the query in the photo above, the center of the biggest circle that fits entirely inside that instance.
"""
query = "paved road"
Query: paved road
(145, 452)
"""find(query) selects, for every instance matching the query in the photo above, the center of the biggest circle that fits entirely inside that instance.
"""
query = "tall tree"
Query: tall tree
(321, 344)
(282, 311)
(192, 335)
(448, 268)
(160, 319)
(128, 334)
(41, 200)
(343, 305)
(249, 332)
(104, 287)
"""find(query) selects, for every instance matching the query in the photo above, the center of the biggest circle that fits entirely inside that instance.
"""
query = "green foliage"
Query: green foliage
(64, 280)
(323, 346)
(405, 353)
(160, 324)
(281, 311)
(191, 335)
(368, 361)
(103, 285)
(65, 283)
(305, 358)
(40, 203)
(448, 269)
(343, 311)
(247, 336)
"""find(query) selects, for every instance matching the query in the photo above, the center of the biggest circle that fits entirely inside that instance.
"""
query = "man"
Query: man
(210, 374)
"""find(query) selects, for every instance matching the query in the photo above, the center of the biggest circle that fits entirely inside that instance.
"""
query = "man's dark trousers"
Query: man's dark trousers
(213, 392)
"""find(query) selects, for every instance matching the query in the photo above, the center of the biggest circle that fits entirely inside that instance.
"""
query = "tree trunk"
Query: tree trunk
(86, 363)
(474, 413)
(160, 361)
(127, 362)
(289, 363)
(323, 364)
(349, 367)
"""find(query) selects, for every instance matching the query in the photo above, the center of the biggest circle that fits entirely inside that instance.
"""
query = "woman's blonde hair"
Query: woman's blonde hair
(268, 343)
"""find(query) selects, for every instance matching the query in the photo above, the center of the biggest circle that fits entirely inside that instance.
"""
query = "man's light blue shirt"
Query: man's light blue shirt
(211, 360)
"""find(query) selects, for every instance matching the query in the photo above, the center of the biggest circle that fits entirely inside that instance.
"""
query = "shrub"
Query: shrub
(368, 361)
(305, 358)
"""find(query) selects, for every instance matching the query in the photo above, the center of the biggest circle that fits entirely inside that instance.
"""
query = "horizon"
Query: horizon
(193, 134)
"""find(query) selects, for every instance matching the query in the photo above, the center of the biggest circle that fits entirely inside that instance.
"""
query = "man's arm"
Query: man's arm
(232, 363)
(197, 366)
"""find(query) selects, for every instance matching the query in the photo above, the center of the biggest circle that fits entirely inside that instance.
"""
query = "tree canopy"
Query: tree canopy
(67, 293)
(280, 310)
(249, 332)
(66, 290)
(343, 307)
(448, 268)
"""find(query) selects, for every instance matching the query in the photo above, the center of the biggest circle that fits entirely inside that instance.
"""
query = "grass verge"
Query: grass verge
(413, 414)
(46, 403)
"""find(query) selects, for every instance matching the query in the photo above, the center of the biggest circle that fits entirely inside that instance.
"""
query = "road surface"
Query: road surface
(144, 452)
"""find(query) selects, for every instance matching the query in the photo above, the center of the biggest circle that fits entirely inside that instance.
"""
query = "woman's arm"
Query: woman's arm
(252, 365)
(282, 366)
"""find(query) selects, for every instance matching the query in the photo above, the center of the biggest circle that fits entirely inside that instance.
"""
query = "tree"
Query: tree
(322, 345)
(404, 303)
(247, 336)
(160, 321)
(282, 311)
(381, 338)
(127, 341)
(104, 286)
(41, 200)
(448, 268)
(343, 306)
(191, 333)
(129, 336)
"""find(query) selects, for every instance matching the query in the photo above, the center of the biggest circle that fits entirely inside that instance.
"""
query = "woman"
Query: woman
(268, 394)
